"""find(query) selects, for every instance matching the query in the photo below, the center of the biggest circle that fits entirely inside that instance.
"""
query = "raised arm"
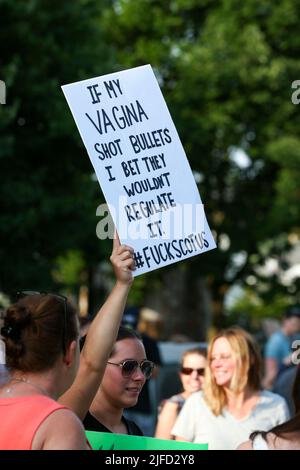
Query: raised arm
(101, 334)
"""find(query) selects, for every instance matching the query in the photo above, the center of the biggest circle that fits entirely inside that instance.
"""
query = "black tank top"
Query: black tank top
(92, 424)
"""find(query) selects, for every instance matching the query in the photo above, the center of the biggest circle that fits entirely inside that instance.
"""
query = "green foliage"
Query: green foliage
(70, 269)
(252, 306)
(286, 152)
(137, 293)
(47, 195)
(226, 69)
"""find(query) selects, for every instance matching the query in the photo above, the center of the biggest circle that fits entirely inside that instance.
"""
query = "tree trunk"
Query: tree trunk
(184, 303)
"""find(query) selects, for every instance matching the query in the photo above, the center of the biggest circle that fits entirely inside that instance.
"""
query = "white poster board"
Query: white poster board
(141, 166)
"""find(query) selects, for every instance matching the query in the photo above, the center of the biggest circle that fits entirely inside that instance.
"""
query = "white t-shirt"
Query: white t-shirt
(259, 443)
(196, 422)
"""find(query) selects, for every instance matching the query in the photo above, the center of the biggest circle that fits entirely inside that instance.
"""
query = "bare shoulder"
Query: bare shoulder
(168, 414)
(286, 442)
(61, 430)
(245, 446)
(170, 406)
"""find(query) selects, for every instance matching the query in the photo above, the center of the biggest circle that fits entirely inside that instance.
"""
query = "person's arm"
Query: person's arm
(272, 355)
(288, 360)
(181, 439)
(271, 371)
(101, 335)
(166, 421)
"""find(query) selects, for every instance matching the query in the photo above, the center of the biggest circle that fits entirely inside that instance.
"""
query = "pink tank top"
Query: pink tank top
(20, 417)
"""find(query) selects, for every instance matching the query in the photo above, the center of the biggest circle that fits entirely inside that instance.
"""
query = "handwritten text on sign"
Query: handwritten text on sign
(141, 166)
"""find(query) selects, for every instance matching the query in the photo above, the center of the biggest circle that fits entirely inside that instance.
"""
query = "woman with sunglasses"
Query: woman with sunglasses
(232, 405)
(126, 372)
(193, 363)
(41, 333)
(102, 334)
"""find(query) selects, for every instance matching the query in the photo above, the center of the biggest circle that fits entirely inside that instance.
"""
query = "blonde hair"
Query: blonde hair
(247, 371)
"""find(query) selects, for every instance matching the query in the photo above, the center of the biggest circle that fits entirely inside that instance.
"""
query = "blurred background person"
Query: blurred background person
(278, 349)
(284, 387)
(232, 404)
(193, 363)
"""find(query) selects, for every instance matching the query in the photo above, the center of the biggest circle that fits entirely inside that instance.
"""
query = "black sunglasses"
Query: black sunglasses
(190, 370)
(61, 298)
(129, 366)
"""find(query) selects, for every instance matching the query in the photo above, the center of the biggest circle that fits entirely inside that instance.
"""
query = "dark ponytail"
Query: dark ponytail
(34, 329)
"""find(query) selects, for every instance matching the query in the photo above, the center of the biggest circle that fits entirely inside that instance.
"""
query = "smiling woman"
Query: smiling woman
(231, 405)
(193, 364)
(126, 373)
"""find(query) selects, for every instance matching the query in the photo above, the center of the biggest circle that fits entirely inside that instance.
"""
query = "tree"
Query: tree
(226, 69)
(48, 195)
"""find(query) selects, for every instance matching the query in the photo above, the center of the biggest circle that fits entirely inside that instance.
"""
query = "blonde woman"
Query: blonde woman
(193, 363)
(231, 405)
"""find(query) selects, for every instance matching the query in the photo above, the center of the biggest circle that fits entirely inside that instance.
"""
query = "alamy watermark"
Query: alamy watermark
(296, 94)
(147, 220)
(2, 92)
(296, 352)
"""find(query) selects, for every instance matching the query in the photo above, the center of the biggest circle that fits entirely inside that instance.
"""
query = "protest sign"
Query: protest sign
(110, 441)
(141, 166)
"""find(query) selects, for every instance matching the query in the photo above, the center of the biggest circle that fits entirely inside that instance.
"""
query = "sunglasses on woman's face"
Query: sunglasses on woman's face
(190, 370)
(129, 366)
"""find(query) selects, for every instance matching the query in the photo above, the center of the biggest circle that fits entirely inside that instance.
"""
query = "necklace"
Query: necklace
(26, 381)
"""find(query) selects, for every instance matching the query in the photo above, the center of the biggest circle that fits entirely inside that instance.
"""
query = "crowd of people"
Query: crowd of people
(56, 385)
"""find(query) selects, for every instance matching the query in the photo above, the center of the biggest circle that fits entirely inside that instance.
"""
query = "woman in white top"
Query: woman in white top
(286, 436)
(231, 405)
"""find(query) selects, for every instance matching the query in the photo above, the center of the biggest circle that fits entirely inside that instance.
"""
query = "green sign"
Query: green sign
(110, 441)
